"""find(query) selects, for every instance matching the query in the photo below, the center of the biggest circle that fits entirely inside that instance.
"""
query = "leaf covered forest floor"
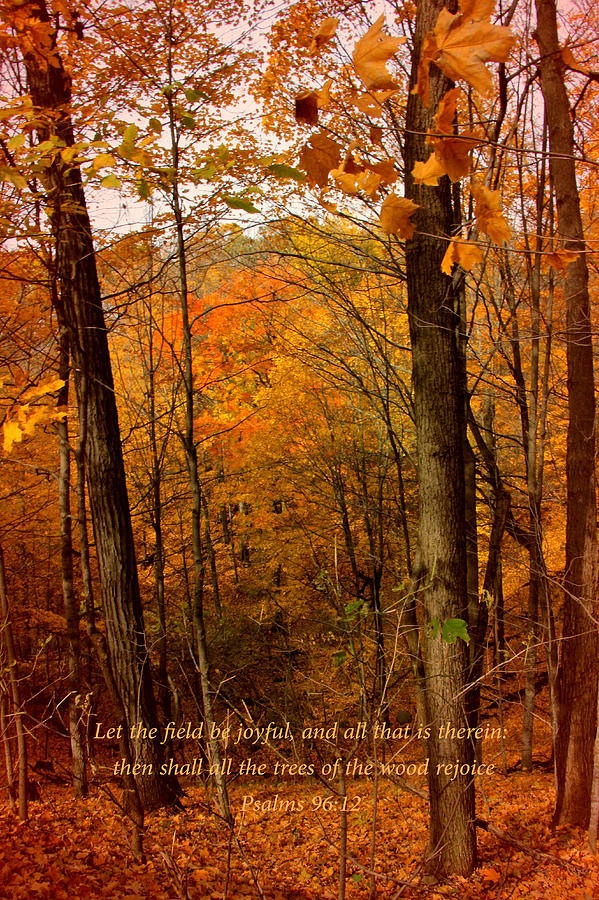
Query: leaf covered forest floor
(69, 849)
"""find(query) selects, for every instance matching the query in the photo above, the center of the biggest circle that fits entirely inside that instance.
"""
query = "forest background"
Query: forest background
(298, 533)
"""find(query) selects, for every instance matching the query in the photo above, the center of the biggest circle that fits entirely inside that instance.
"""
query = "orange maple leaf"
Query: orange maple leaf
(454, 153)
(372, 104)
(489, 216)
(428, 172)
(318, 157)
(325, 33)
(561, 259)
(386, 169)
(308, 103)
(461, 44)
(371, 54)
(395, 216)
(445, 116)
(465, 253)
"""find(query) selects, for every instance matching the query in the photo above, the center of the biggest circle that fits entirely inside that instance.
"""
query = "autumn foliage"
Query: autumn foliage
(269, 276)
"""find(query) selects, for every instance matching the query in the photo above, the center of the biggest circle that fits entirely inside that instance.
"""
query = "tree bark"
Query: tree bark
(439, 407)
(579, 662)
(11, 659)
(78, 761)
(198, 498)
(50, 89)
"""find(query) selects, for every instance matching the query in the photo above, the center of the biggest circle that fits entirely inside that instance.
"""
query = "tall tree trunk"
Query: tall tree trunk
(441, 569)
(198, 499)
(163, 692)
(50, 89)
(10, 776)
(579, 662)
(11, 658)
(78, 762)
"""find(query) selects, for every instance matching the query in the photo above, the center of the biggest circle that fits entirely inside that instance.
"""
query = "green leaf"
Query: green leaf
(111, 181)
(434, 626)
(155, 125)
(454, 629)
(130, 134)
(281, 171)
(339, 657)
(143, 189)
(357, 877)
(193, 96)
(240, 203)
(353, 607)
(188, 120)
(206, 171)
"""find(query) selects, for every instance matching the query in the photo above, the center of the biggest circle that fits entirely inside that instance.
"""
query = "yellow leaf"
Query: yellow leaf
(489, 216)
(345, 175)
(29, 419)
(395, 216)
(346, 181)
(561, 259)
(318, 157)
(45, 387)
(428, 172)
(461, 44)
(429, 51)
(326, 204)
(12, 435)
(466, 41)
(465, 253)
(325, 33)
(371, 54)
(102, 160)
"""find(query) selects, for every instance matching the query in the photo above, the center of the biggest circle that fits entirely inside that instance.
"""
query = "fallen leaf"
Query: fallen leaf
(371, 54)
(12, 435)
(395, 216)
(324, 94)
(491, 875)
(386, 169)
(45, 387)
